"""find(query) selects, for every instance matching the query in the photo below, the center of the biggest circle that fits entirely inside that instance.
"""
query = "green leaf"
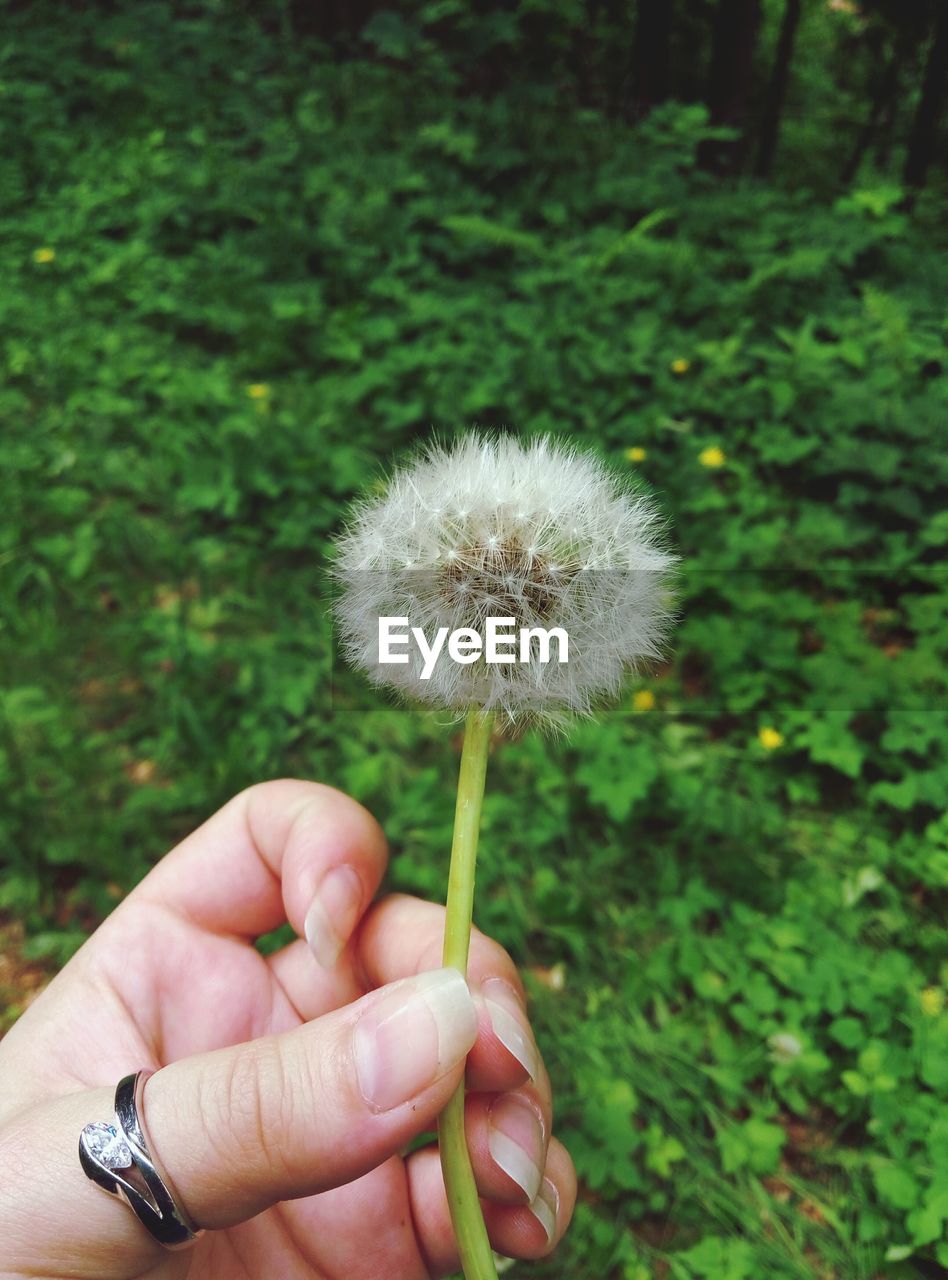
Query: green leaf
(849, 1032)
(896, 1186)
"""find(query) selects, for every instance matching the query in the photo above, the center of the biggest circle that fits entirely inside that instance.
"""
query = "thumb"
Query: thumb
(242, 1128)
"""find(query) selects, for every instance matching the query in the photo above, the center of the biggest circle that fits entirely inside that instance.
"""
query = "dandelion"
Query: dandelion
(769, 738)
(643, 700)
(713, 456)
(680, 365)
(258, 390)
(538, 535)
(932, 1000)
(785, 1047)
(636, 453)
(44, 255)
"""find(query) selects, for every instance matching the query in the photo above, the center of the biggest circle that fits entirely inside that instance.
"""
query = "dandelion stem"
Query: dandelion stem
(477, 1258)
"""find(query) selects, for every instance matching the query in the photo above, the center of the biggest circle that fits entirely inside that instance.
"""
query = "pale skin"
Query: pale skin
(256, 1112)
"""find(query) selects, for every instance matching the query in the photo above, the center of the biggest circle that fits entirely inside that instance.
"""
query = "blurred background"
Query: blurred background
(250, 252)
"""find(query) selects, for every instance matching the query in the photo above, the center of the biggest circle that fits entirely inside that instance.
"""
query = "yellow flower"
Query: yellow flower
(932, 1000)
(713, 456)
(258, 390)
(636, 453)
(680, 365)
(643, 700)
(770, 739)
(46, 254)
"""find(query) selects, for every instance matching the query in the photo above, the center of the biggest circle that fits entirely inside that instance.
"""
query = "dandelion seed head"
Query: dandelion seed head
(786, 1046)
(491, 526)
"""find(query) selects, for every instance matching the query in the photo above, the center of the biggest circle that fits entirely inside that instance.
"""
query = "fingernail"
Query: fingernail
(545, 1208)
(412, 1035)
(507, 1026)
(333, 914)
(515, 1141)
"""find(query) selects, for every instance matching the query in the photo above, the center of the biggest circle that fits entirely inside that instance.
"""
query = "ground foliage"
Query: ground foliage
(239, 277)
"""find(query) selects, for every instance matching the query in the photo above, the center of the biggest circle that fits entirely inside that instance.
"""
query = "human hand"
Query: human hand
(285, 1088)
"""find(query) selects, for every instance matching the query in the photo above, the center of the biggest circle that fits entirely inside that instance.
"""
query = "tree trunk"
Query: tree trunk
(651, 56)
(734, 38)
(924, 139)
(882, 103)
(777, 90)
(332, 20)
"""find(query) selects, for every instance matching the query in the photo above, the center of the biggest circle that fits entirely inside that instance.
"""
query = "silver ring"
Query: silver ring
(116, 1157)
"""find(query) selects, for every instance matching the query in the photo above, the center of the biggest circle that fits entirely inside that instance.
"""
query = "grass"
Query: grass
(241, 278)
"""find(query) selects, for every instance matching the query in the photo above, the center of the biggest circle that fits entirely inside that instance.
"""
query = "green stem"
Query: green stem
(477, 1259)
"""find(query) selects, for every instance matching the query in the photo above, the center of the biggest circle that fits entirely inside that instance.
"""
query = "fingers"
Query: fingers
(505, 1051)
(402, 935)
(53, 1221)
(526, 1177)
(507, 1137)
(286, 850)
(288, 1116)
(242, 1128)
(522, 1231)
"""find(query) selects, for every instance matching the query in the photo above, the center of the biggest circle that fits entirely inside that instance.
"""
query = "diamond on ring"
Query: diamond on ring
(105, 1144)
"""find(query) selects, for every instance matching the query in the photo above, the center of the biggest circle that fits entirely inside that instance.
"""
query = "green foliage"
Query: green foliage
(240, 277)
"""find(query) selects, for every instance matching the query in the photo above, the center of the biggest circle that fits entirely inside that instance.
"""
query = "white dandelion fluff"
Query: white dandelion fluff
(538, 532)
